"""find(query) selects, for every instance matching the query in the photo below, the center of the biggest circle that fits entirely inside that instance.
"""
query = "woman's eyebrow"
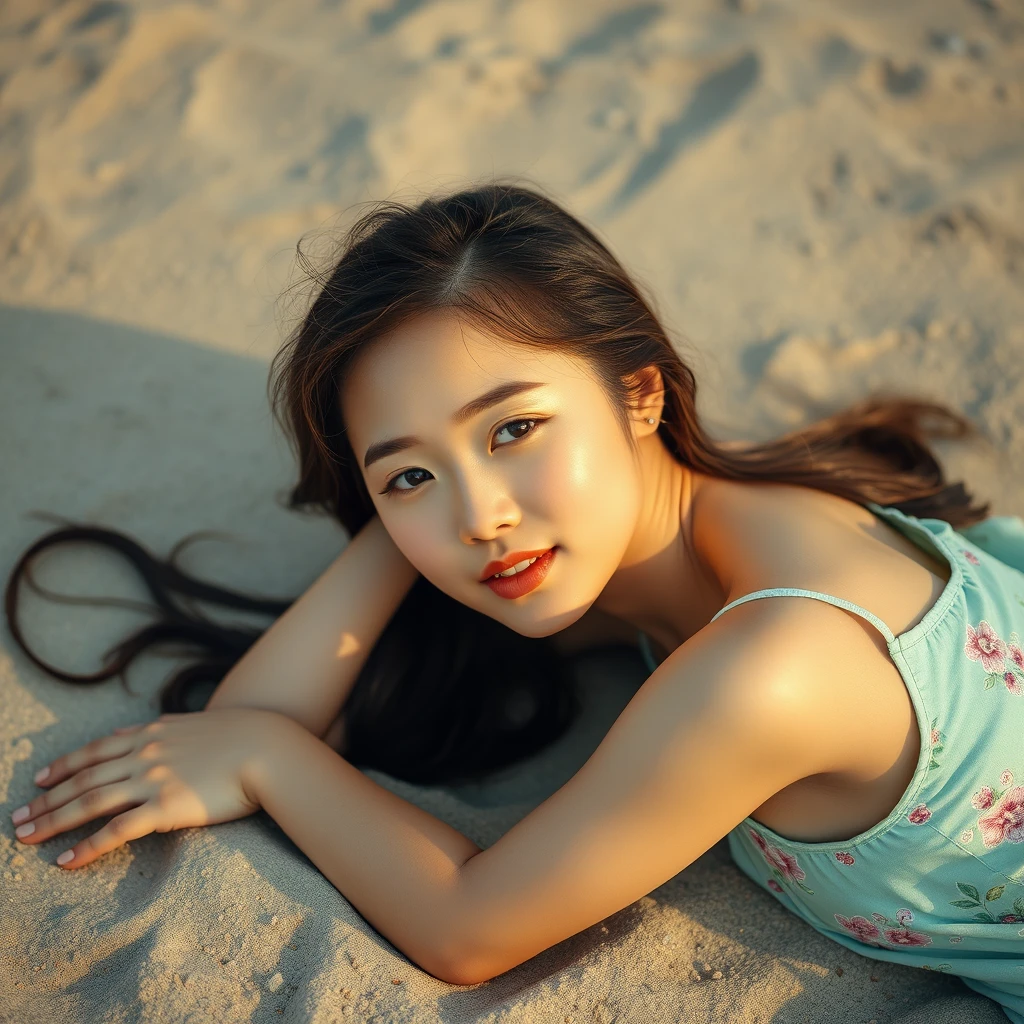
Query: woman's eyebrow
(509, 389)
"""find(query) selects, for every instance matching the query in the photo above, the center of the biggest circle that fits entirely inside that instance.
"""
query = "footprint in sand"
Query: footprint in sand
(966, 225)
(715, 98)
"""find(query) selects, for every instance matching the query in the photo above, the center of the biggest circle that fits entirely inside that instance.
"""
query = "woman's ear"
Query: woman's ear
(649, 401)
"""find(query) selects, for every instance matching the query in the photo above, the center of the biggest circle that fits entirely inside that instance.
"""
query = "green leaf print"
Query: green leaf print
(990, 681)
(936, 747)
(969, 890)
(974, 903)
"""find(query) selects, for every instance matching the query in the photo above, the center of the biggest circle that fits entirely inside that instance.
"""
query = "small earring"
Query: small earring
(650, 419)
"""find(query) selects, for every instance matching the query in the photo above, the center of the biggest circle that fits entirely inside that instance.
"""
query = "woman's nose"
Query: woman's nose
(486, 508)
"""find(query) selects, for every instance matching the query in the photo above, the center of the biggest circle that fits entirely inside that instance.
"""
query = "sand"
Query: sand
(823, 199)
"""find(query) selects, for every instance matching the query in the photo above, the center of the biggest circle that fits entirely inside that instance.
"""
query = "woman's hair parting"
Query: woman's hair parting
(448, 694)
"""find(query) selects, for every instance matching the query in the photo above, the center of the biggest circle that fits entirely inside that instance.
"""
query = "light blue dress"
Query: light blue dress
(939, 884)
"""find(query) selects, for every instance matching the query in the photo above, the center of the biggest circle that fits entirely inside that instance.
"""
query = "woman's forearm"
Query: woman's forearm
(396, 864)
(305, 665)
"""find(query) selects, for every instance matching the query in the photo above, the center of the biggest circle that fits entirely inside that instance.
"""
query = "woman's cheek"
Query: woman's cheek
(586, 476)
(567, 479)
(413, 538)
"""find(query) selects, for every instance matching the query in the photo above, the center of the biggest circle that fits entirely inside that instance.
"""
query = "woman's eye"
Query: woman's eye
(515, 423)
(392, 483)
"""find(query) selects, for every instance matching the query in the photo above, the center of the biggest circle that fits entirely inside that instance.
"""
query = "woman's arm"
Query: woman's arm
(706, 740)
(395, 863)
(306, 663)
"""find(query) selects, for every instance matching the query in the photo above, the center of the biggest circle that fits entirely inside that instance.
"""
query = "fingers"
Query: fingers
(93, 793)
(84, 787)
(133, 824)
(112, 798)
(92, 753)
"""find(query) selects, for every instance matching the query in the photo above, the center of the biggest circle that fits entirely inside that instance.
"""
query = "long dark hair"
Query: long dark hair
(436, 698)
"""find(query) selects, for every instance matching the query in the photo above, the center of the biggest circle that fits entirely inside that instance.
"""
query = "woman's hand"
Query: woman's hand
(180, 771)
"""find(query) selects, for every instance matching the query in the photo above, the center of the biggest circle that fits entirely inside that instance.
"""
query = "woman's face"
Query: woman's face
(545, 468)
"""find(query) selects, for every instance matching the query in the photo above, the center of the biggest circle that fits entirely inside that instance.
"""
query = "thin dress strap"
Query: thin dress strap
(839, 602)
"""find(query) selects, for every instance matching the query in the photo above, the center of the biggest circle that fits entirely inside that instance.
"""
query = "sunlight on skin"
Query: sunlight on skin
(349, 645)
(491, 486)
(546, 467)
(180, 771)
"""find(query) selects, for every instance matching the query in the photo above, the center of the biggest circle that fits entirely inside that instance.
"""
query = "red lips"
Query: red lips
(508, 561)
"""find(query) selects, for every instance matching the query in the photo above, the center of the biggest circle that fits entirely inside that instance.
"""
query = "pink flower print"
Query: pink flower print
(982, 799)
(772, 884)
(935, 736)
(786, 863)
(1010, 919)
(1011, 683)
(844, 858)
(1014, 652)
(919, 815)
(985, 646)
(905, 937)
(972, 558)
(1005, 821)
(903, 916)
(860, 927)
(1006, 778)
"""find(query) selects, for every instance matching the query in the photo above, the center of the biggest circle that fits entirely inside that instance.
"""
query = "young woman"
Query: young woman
(485, 401)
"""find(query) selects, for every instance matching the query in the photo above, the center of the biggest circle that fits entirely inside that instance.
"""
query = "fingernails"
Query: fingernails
(42, 775)
(65, 856)
(25, 830)
(19, 815)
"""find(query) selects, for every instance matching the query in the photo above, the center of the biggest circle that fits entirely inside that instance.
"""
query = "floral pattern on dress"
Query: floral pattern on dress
(919, 815)
(936, 746)
(993, 816)
(882, 932)
(1004, 820)
(1002, 660)
(974, 902)
(784, 865)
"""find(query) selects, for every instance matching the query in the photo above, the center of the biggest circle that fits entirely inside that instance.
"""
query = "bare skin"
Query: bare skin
(794, 701)
(860, 559)
(780, 536)
(661, 551)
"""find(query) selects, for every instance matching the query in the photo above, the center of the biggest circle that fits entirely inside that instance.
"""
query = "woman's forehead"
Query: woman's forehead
(455, 359)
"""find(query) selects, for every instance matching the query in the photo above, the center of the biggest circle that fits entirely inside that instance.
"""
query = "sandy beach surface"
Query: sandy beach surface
(823, 199)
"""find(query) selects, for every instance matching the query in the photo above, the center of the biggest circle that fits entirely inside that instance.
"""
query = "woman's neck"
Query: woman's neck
(665, 585)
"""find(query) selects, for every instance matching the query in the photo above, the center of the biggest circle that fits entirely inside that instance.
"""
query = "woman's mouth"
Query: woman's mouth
(524, 580)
